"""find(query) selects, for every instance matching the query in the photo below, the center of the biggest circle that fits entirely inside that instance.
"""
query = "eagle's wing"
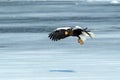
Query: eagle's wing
(60, 33)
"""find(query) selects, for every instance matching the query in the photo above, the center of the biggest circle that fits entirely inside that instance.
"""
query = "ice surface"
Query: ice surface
(32, 56)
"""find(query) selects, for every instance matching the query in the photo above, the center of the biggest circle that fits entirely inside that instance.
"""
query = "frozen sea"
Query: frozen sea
(26, 52)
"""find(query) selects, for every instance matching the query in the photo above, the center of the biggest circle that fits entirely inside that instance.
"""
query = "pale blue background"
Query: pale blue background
(26, 52)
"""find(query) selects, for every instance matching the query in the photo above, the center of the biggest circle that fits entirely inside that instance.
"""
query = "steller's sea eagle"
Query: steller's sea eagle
(61, 33)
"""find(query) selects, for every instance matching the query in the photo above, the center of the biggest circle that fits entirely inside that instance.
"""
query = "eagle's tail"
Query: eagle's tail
(90, 34)
(85, 34)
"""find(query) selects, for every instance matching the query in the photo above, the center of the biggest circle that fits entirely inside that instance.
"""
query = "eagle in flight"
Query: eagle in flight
(61, 33)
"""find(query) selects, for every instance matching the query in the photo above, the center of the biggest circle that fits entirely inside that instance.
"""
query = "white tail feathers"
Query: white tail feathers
(83, 37)
(85, 34)
(91, 35)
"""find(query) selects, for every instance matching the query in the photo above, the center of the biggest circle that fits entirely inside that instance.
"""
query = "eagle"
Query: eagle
(77, 31)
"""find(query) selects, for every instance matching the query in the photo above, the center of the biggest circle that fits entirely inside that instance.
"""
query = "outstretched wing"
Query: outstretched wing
(60, 33)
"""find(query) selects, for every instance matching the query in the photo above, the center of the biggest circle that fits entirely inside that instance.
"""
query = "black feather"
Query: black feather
(58, 34)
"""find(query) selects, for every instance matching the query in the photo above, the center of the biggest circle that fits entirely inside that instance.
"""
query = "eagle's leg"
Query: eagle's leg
(80, 40)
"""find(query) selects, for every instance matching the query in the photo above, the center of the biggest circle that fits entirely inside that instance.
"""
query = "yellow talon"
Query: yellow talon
(80, 41)
(66, 33)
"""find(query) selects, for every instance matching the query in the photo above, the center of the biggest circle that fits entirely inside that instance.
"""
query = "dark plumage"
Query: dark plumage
(61, 33)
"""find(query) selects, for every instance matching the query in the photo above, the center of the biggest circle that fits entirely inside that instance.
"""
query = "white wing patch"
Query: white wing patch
(77, 27)
(65, 28)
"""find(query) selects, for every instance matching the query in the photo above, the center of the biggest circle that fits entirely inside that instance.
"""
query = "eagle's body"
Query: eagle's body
(61, 33)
